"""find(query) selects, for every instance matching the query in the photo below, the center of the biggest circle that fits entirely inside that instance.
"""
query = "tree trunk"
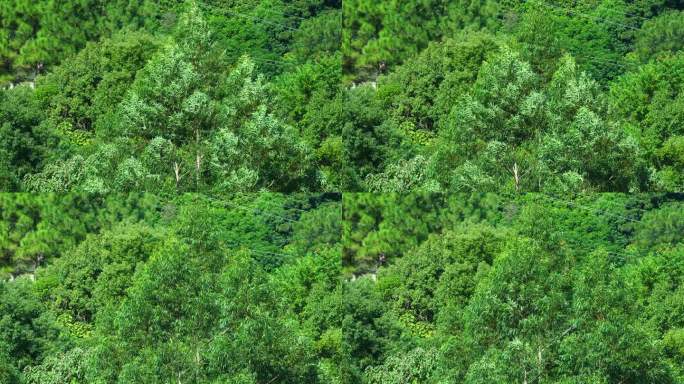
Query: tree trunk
(176, 170)
(516, 176)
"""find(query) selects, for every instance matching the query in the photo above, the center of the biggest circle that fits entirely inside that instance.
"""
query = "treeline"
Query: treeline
(317, 95)
(37, 35)
(139, 289)
(170, 97)
(509, 96)
(363, 288)
(531, 289)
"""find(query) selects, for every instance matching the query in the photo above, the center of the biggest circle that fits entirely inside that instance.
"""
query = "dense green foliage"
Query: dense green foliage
(363, 288)
(548, 96)
(533, 289)
(138, 289)
(171, 97)
(324, 95)
(341, 191)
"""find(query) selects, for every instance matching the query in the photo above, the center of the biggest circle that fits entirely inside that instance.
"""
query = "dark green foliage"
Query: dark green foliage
(239, 289)
(514, 96)
(37, 228)
(89, 85)
(539, 289)
(389, 96)
(23, 143)
(372, 289)
(660, 36)
(205, 102)
(381, 34)
(648, 102)
(172, 97)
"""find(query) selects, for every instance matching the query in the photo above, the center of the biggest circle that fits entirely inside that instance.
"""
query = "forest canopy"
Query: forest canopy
(359, 288)
(485, 288)
(341, 191)
(546, 96)
(324, 95)
(179, 96)
(141, 289)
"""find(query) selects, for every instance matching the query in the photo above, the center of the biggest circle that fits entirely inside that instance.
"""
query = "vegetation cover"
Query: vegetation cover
(172, 96)
(140, 289)
(528, 289)
(543, 95)
(359, 288)
(323, 95)
(295, 191)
